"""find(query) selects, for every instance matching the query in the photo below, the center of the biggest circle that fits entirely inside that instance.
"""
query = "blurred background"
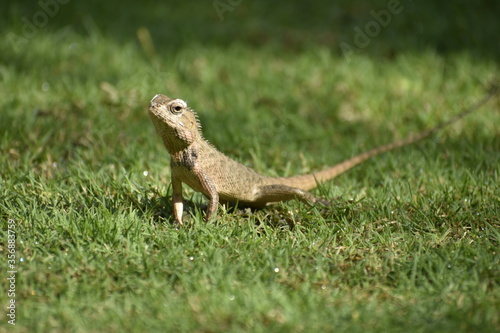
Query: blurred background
(93, 66)
(290, 27)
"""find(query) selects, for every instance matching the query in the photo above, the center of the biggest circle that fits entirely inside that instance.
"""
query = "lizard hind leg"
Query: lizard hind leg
(269, 194)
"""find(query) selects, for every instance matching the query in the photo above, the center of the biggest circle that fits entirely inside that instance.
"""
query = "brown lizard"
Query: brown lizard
(197, 163)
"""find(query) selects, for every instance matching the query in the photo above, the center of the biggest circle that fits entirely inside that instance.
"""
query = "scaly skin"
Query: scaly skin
(195, 162)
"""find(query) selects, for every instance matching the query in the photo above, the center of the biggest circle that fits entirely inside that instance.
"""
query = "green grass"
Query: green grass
(410, 244)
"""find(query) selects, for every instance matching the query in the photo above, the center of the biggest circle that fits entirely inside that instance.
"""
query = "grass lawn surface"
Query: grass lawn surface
(409, 244)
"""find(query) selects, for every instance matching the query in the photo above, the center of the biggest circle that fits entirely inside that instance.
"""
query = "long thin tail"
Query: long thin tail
(310, 181)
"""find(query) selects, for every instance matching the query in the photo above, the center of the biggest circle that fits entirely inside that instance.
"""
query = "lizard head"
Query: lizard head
(176, 123)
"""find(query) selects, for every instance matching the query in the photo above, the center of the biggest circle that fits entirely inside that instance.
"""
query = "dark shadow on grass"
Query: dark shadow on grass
(445, 27)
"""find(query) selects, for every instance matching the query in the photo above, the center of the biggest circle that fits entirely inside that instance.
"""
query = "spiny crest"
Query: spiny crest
(198, 126)
(196, 118)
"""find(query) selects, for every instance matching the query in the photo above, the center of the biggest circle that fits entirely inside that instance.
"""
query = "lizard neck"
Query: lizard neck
(185, 158)
(177, 139)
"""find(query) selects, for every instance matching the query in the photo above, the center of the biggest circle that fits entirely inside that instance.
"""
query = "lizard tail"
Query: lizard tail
(310, 181)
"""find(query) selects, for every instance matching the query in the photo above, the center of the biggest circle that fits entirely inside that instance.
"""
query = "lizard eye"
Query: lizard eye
(176, 107)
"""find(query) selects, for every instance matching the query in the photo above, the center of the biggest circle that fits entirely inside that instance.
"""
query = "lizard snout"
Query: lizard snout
(154, 98)
(160, 99)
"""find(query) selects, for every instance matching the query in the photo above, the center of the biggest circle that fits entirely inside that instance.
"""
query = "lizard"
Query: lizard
(197, 163)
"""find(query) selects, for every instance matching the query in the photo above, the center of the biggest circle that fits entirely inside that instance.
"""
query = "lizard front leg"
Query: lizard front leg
(177, 200)
(209, 189)
(202, 184)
